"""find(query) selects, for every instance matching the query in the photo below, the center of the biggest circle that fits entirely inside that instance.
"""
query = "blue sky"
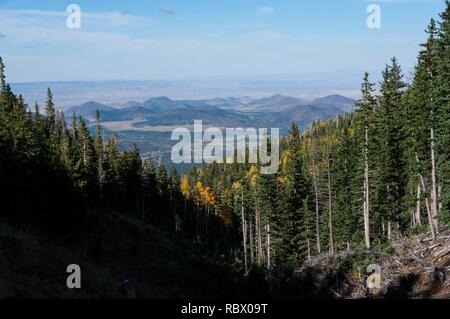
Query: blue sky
(179, 39)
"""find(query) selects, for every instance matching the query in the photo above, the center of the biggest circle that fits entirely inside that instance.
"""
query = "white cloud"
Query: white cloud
(112, 19)
(166, 11)
(116, 18)
(265, 10)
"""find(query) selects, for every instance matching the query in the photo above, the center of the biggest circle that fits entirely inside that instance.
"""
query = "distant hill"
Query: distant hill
(89, 109)
(226, 102)
(275, 103)
(273, 111)
(344, 103)
(210, 115)
(127, 114)
(304, 115)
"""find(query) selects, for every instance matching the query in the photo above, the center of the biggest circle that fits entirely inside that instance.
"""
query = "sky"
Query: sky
(181, 39)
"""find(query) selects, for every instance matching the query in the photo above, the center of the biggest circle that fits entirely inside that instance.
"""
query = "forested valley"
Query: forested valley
(351, 191)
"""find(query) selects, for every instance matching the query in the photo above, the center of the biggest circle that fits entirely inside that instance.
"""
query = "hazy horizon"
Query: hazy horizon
(309, 87)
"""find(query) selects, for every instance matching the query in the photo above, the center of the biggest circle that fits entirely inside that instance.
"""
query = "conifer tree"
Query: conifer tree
(420, 113)
(365, 109)
(289, 231)
(100, 152)
(442, 115)
(389, 172)
(2, 76)
(149, 185)
(50, 111)
(347, 186)
(161, 178)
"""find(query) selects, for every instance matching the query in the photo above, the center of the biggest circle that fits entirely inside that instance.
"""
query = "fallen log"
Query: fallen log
(441, 254)
(427, 248)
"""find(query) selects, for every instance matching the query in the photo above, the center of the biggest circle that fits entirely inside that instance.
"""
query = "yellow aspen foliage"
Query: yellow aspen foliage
(252, 175)
(286, 157)
(199, 192)
(236, 186)
(185, 187)
(351, 131)
(199, 187)
(285, 161)
(281, 179)
(209, 197)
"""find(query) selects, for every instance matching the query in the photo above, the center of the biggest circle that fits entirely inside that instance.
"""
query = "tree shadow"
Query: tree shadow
(404, 288)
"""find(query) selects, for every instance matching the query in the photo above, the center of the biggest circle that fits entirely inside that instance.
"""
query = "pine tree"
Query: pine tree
(441, 89)
(130, 179)
(175, 198)
(149, 188)
(365, 110)
(268, 192)
(161, 178)
(50, 111)
(100, 152)
(316, 188)
(420, 131)
(2, 76)
(289, 232)
(390, 167)
(347, 186)
(65, 144)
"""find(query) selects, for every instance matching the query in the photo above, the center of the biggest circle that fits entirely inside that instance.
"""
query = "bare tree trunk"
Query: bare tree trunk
(434, 209)
(439, 189)
(197, 226)
(268, 246)
(252, 258)
(309, 249)
(258, 232)
(244, 232)
(366, 191)
(427, 203)
(389, 230)
(316, 192)
(206, 223)
(84, 153)
(417, 220)
(330, 212)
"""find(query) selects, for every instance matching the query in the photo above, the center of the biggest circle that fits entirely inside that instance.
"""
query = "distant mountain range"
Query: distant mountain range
(274, 111)
(339, 101)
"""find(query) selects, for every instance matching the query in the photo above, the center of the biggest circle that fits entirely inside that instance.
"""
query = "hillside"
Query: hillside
(274, 111)
(158, 264)
(414, 267)
(338, 101)
(89, 109)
